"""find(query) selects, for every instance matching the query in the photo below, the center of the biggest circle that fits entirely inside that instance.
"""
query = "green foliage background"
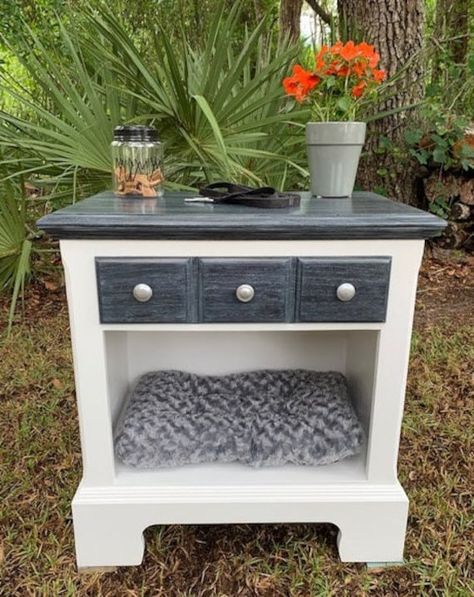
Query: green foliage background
(207, 74)
(69, 76)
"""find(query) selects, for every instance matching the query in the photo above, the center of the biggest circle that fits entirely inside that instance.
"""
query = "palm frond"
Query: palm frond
(219, 108)
(15, 247)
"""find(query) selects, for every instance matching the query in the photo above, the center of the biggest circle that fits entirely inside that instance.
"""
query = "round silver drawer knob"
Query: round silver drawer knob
(142, 293)
(245, 293)
(345, 292)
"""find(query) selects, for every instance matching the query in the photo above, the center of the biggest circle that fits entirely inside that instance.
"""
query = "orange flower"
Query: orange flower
(349, 67)
(349, 51)
(337, 47)
(368, 51)
(379, 75)
(359, 68)
(290, 85)
(343, 71)
(358, 89)
(374, 60)
(306, 78)
(338, 69)
(365, 49)
(319, 59)
(300, 83)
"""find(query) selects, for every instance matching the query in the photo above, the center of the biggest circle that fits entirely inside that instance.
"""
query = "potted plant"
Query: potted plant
(341, 83)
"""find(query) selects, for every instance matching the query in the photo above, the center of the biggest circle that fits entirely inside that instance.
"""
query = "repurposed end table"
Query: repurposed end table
(162, 284)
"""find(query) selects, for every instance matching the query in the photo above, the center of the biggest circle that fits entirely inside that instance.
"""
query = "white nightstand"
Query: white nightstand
(160, 284)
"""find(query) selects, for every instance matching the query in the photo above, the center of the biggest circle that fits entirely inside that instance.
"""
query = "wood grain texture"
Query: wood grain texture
(170, 280)
(319, 278)
(364, 216)
(271, 279)
(204, 290)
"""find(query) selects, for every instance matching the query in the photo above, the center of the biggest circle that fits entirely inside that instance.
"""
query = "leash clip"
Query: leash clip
(199, 200)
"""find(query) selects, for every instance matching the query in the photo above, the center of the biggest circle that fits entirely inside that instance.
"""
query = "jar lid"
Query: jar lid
(135, 132)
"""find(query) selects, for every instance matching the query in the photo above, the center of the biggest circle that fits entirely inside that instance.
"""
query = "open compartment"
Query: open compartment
(132, 353)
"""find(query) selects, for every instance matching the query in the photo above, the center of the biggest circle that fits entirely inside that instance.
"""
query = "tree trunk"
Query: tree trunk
(290, 14)
(395, 28)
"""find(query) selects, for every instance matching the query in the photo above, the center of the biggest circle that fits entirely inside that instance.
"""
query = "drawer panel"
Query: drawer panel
(270, 281)
(168, 279)
(320, 278)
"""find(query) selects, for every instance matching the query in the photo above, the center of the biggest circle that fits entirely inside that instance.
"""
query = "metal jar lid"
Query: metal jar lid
(135, 132)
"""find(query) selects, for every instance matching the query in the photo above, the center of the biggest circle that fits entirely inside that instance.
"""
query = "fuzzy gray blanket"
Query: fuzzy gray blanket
(258, 418)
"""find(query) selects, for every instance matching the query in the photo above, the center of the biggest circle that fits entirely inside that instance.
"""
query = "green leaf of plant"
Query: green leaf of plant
(413, 136)
(439, 155)
(208, 113)
(344, 103)
(21, 273)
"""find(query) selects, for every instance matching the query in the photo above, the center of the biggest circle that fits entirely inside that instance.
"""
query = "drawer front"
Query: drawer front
(265, 288)
(122, 300)
(322, 296)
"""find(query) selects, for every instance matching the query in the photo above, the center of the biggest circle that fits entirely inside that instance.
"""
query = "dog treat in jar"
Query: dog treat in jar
(138, 161)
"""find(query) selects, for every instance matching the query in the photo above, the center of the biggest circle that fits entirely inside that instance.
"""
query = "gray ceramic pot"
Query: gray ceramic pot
(333, 155)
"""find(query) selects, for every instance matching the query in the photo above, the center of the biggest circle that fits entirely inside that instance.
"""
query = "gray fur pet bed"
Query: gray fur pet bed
(258, 418)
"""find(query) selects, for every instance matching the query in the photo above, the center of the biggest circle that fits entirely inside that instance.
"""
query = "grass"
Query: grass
(40, 468)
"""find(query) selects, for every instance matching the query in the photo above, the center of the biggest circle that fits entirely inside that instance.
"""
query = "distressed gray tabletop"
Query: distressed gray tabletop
(363, 216)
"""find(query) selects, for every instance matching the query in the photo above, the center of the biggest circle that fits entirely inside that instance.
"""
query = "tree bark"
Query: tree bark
(395, 28)
(290, 14)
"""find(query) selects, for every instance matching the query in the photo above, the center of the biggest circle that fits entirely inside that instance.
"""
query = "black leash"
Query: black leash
(228, 192)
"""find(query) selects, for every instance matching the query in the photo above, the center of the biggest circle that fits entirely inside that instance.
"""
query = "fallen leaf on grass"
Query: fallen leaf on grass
(49, 285)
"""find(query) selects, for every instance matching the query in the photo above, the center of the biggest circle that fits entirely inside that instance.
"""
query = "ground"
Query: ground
(40, 468)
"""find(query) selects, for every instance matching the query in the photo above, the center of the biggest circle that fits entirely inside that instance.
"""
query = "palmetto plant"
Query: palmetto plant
(218, 107)
(15, 244)
(219, 110)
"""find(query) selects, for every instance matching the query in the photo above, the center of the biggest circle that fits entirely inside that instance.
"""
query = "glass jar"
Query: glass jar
(138, 161)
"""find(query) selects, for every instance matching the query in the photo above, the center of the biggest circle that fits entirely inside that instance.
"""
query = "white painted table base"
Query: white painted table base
(362, 496)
